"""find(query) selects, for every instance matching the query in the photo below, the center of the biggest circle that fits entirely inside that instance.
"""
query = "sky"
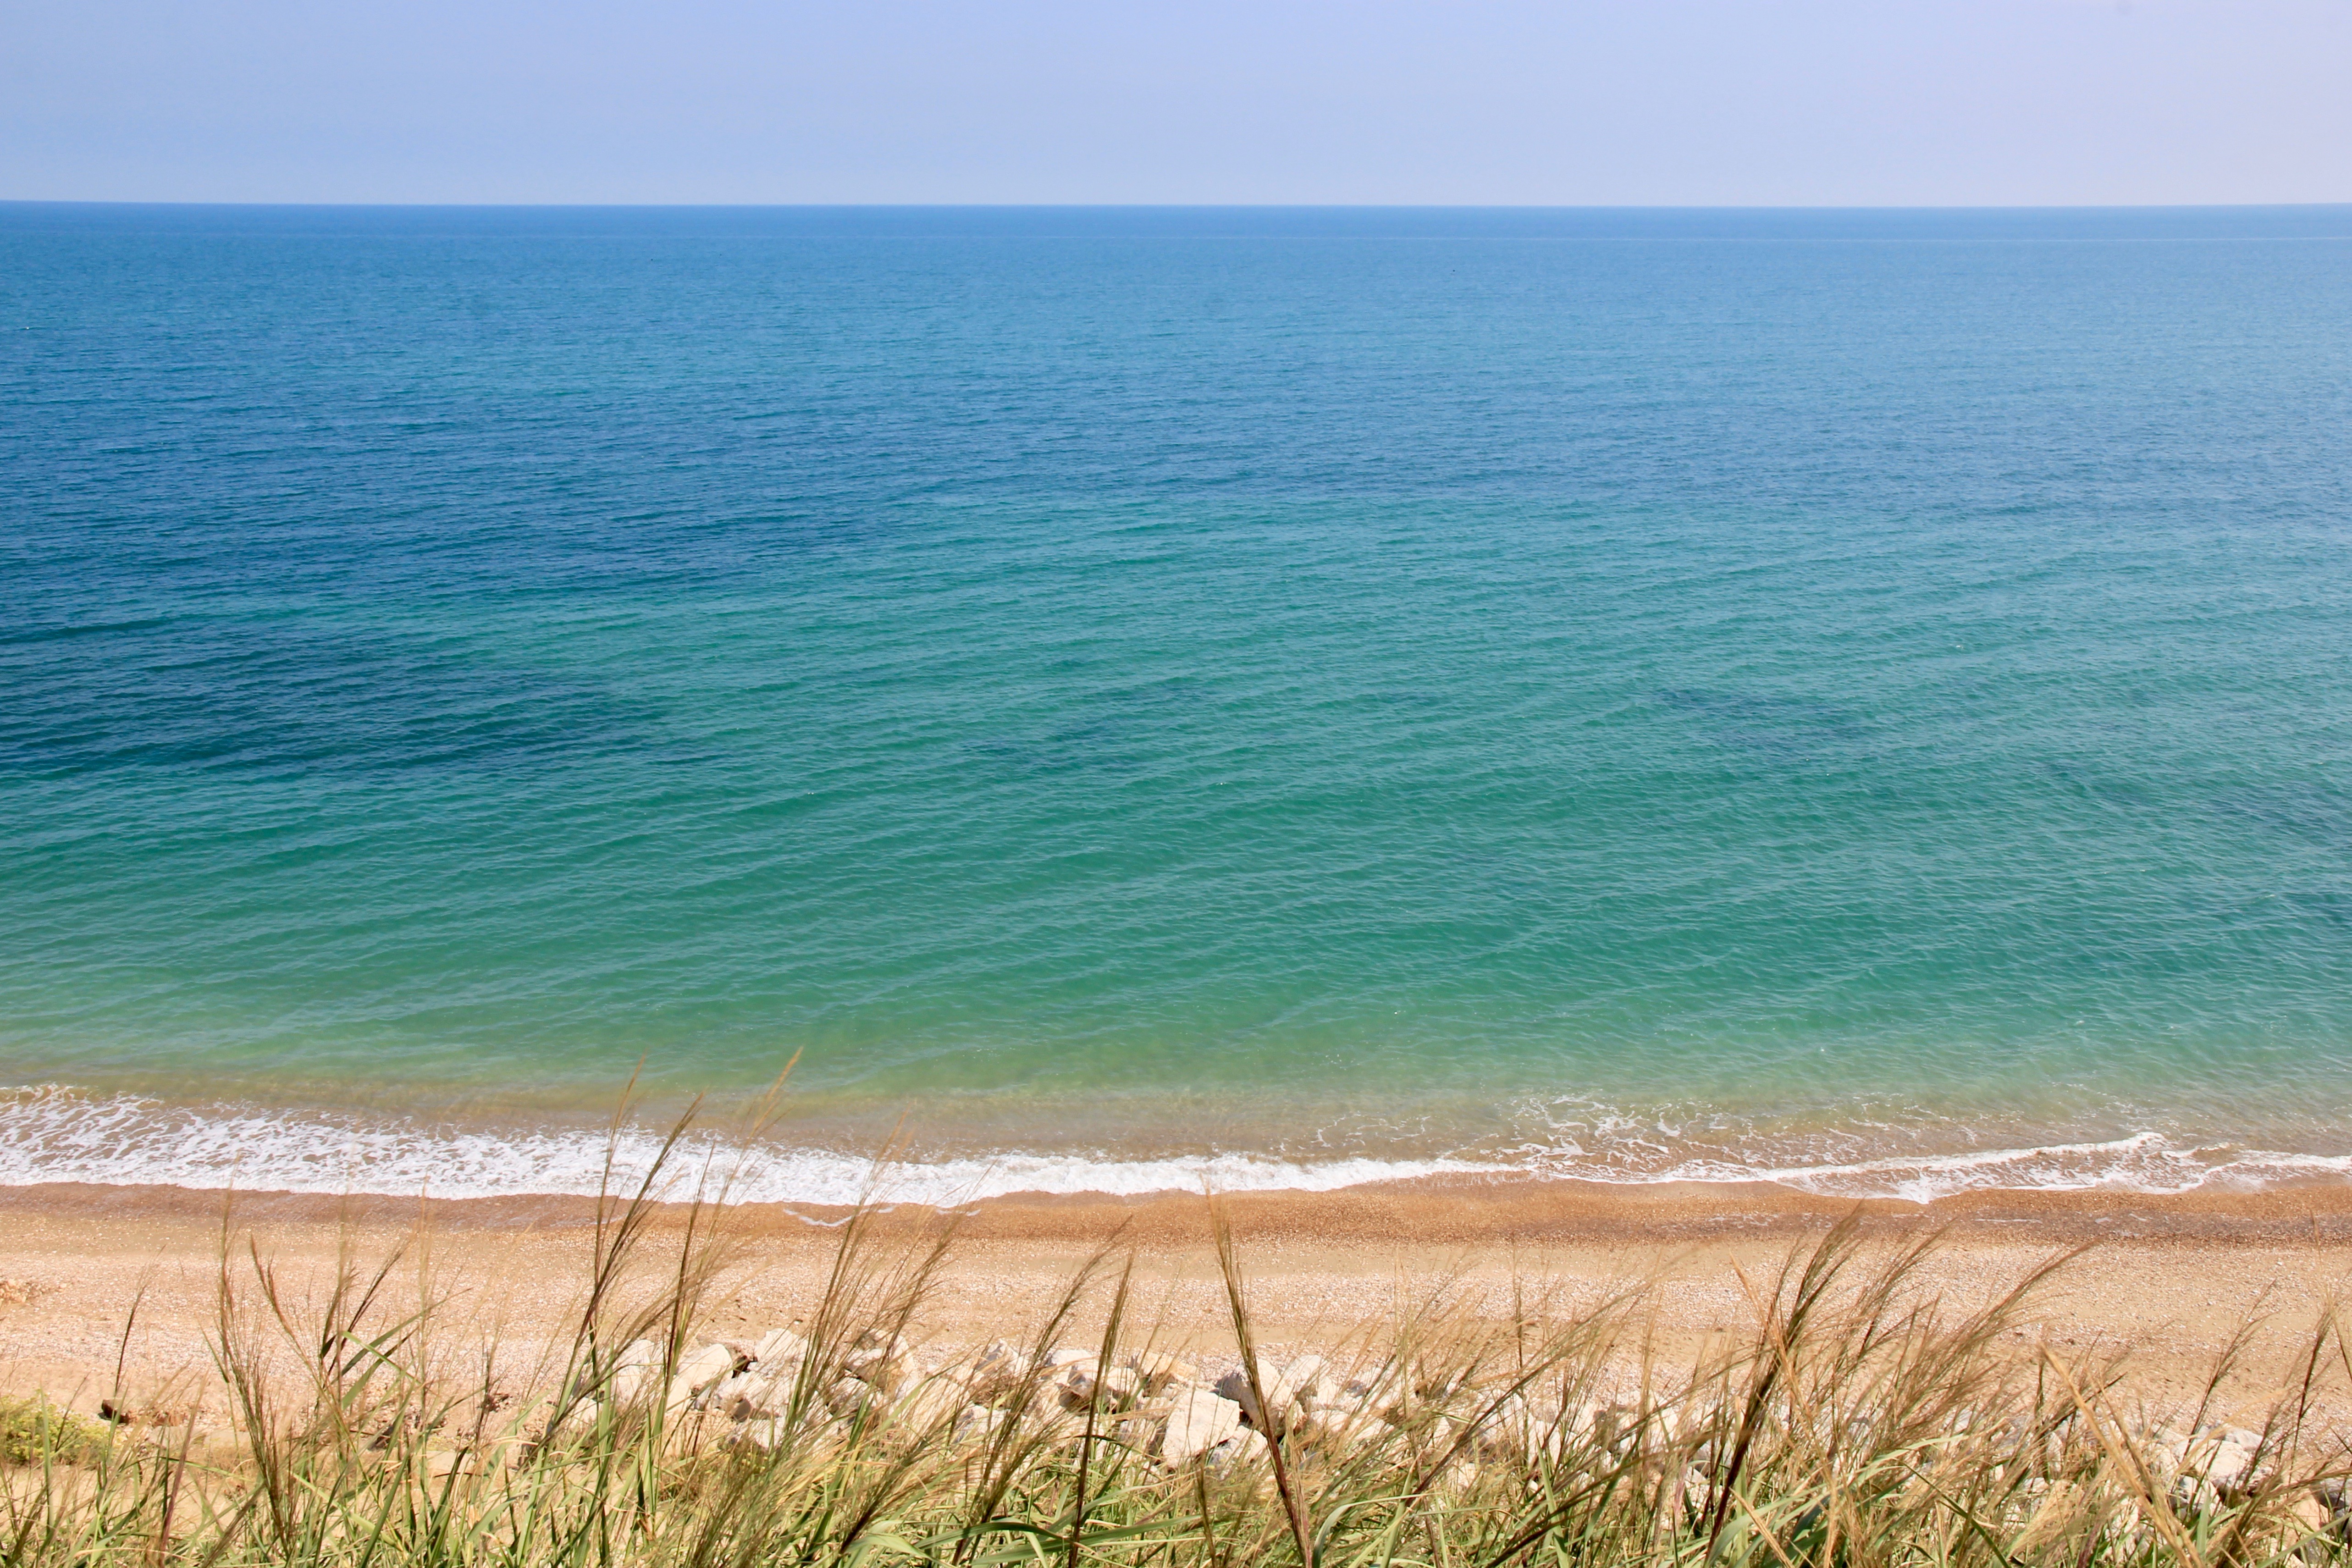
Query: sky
(1546, 102)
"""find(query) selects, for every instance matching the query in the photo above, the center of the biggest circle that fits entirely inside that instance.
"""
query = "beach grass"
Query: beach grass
(1855, 1422)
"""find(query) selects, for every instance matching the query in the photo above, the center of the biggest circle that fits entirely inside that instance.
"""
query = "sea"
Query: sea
(950, 701)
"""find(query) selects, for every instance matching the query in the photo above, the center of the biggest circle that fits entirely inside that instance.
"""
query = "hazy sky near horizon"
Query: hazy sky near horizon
(1829, 102)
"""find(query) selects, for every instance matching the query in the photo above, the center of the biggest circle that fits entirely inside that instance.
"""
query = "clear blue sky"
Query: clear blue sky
(1506, 101)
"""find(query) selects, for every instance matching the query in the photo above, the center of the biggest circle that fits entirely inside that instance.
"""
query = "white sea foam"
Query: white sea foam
(54, 1134)
(2145, 1161)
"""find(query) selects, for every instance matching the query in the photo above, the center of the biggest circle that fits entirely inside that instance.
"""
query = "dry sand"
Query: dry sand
(2171, 1279)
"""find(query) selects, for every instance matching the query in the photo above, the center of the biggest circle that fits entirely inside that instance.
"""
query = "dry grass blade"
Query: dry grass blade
(1229, 1265)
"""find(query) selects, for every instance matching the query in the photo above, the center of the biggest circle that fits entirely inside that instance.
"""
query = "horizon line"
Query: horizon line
(1198, 206)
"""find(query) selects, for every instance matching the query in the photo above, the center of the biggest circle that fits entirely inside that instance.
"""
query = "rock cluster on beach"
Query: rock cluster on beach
(1453, 1424)
(1171, 1409)
(1160, 1405)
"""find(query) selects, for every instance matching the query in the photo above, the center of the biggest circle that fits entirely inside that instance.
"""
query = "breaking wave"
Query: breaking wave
(57, 1134)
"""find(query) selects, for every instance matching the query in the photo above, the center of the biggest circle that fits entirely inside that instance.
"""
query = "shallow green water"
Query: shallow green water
(1619, 693)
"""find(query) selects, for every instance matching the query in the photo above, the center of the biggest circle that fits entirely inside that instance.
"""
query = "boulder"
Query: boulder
(2206, 1466)
(933, 1402)
(846, 1396)
(1198, 1421)
(1310, 1377)
(765, 1436)
(762, 1391)
(2231, 1461)
(1343, 1419)
(978, 1422)
(1085, 1379)
(777, 1348)
(2334, 1495)
(999, 1359)
(1159, 1370)
(1282, 1392)
(633, 1369)
(700, 1373)
(995, 1373)
(884, 1360)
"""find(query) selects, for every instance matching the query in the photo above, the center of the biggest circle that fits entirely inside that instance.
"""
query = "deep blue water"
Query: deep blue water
(1616, 691)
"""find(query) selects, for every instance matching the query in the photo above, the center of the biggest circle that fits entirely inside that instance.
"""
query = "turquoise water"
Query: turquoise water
(1618, 693)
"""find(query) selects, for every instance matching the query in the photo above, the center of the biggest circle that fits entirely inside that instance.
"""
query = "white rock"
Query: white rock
(1082, 1381)
(1198, 1421)
(1281, 1395)
(996, 1371)
(2205, 1463)
(930, 1402)
(763, 1393)
(846, 1395)
(766, 1437)
(2231, 1460)
(633, 1370)
(998, 1359)
(884, 1361)
(1346, 1418)
(978, 1423)
(779, 1348)
(700, 1373)
(1159, 1369)
(1310, 1377)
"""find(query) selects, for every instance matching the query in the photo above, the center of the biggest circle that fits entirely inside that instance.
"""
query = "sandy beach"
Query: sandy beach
(112, 1291)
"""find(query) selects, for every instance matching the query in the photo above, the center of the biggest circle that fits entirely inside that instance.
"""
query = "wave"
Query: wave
(51, 1133)
(2144, 1161)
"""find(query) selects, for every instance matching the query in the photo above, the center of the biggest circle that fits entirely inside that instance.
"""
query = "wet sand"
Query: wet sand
(102, 1279)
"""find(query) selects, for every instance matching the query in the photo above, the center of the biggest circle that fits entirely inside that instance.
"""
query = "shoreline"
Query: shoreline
(1457, 1209)
(55, 1134)
(1463, 1209)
